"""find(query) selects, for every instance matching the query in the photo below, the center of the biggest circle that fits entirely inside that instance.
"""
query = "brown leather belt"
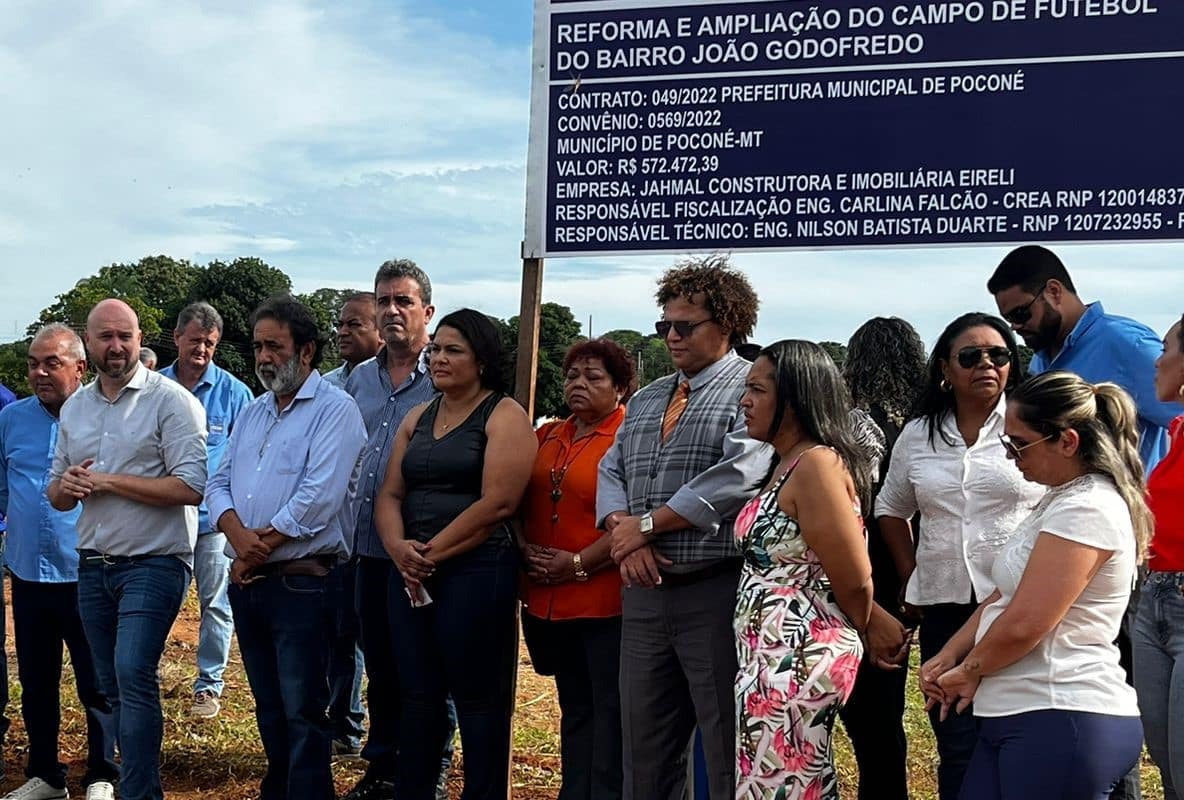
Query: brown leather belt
(314, 566)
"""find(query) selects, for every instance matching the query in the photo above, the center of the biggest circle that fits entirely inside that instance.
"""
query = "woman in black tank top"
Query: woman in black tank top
(458, 469)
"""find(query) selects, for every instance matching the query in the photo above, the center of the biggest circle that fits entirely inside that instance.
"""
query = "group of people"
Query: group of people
(739, 553)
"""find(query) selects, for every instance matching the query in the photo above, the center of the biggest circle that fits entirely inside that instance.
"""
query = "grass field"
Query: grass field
(222, 759)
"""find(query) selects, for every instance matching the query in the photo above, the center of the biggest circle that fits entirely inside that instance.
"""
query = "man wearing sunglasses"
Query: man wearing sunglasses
(668, 493)
(1034, 293)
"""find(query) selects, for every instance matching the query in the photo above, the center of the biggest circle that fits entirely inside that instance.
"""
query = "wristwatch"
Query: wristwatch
(578, 564)
(646, 524)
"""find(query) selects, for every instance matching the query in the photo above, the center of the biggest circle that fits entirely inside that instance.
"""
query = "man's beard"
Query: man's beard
(1046, 335)
(284, 379)
(129, 366)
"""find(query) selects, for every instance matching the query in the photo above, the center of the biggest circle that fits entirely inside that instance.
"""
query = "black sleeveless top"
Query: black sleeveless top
(443, 476)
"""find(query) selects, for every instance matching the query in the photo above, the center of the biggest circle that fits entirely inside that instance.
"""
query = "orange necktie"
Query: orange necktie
(678, 404)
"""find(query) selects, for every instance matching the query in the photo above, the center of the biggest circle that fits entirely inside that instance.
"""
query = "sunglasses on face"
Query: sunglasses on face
(681, 327)
(1016, 451)
(1021, 314)
(971, 357)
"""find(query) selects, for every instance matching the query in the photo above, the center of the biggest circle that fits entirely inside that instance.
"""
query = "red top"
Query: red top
(568, 469)
(1165, 488)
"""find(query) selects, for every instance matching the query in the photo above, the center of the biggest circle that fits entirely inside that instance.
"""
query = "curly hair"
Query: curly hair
(727, 294)
(885, 367)
(617, 363)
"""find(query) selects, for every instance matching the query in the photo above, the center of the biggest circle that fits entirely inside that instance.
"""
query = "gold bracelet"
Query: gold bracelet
(578, 563)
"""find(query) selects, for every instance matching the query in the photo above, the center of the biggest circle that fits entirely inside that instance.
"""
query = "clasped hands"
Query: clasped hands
(549, 565)
(80, 481)
(948, 684)
(632, 549)
(252, 547)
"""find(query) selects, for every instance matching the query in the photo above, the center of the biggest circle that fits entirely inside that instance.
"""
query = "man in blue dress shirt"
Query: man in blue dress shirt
(284, 497)
(43, 559)
(1034, 293)
(223, 396)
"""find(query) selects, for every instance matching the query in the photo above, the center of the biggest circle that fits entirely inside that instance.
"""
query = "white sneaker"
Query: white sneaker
(100, 790)
(205, 705)
(37, 789)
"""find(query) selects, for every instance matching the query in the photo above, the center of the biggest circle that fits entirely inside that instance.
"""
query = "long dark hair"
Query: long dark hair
(885, 367)
(934, 404)
(809, 384)
(482, 336)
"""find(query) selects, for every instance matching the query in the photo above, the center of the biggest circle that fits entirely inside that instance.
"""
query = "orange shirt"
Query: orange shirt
(1165, 490)
(569, 469)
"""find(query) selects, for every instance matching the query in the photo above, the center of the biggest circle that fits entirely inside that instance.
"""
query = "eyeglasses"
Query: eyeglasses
(1017, 451)
(1021, 314)
(971, 357)
(681, 327)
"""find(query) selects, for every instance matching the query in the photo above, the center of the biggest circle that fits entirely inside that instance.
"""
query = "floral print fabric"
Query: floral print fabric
(798, 656)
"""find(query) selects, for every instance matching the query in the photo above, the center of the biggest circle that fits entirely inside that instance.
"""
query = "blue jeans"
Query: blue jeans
(1075, 755)
(464, 643)
(211, 573)
(1159, 674)
(346, 714)
(127, 608)
(283, 624)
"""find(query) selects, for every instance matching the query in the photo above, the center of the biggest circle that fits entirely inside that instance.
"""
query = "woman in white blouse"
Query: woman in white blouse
(1038, 658)
(950, 466)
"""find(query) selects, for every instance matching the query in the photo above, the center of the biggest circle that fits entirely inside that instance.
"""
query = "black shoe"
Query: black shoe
(371, 788)
(344, 751)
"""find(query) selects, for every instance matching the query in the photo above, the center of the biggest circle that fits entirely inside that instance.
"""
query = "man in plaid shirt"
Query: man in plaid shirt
(669, 490)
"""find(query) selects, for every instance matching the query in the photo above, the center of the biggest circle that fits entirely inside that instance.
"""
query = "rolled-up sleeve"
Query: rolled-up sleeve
(723, 488)
(898, 497)
(338, 437)
(611, 493)
(183, 440)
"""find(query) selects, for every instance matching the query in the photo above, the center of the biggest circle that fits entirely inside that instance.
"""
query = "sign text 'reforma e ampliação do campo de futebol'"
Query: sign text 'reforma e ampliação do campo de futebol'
(683, 126)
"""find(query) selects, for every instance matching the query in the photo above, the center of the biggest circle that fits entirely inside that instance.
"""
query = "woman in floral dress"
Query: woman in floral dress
(805, 592)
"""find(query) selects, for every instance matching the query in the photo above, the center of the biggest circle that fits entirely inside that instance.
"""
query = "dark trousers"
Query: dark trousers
(283, 623)
(678, 669)
(873, 717)
(347, 717)
(127, 609)
(373, 579)
(1041, 755)
(1130, 787)
(956, 737)
(45, 616)
(465, 643)
(584, 655)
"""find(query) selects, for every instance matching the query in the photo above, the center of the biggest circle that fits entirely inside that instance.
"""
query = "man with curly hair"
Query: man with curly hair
(669, 490)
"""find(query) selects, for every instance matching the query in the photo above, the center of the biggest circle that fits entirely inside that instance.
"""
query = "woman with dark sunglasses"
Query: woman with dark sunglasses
(1056, 716)
(950, 466)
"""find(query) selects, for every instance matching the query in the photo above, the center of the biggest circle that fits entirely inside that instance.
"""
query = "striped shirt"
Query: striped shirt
(705, 472)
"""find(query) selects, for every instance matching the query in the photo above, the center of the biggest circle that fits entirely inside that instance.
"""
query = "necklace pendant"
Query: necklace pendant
(556, 495)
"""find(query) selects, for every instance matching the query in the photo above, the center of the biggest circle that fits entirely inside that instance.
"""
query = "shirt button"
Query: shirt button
(248, 497)
(371, 474)
(384, 424)
(367, 499)
(258, 469)
(101, 463)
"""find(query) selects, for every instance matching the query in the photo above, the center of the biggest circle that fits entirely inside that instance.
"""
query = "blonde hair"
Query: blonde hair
(1106, 421)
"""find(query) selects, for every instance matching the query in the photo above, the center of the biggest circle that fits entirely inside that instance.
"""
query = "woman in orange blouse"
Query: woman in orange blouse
(571, 589)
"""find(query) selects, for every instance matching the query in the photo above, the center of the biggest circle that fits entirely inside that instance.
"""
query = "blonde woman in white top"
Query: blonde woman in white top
(949, 466)
(1038, 658)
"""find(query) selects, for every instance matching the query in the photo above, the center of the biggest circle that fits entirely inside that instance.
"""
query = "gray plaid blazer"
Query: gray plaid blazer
(705, 473)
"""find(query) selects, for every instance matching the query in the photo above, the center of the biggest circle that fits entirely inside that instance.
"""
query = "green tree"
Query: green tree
(558, 331)
(236, 289)
(836, 351)
(155, 287)
(14, 373)
(326, 304)
(651, 359)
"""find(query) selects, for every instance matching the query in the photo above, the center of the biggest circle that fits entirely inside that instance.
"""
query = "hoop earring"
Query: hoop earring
(945, 385)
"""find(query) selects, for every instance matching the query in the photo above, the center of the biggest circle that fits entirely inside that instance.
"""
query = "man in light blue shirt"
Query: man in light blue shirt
(43, 559)
(223, 396)
(284, 497)
(1034, 293)
(357, 341)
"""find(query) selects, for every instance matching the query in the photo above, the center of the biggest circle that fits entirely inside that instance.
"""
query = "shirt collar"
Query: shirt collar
(208, 378)
(307, 391)
(606, 426)
(708, 373)
(138, 381)
(1093, 313)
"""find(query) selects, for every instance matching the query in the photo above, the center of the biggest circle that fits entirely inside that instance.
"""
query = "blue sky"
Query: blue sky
(326, 138)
